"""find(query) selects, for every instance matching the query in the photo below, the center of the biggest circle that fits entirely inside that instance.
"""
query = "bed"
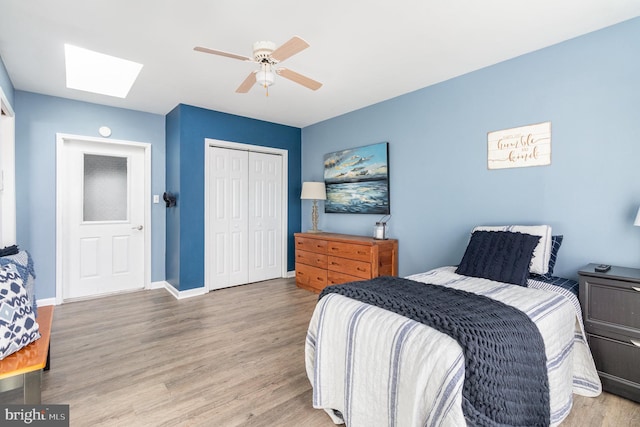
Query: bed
(372, 364)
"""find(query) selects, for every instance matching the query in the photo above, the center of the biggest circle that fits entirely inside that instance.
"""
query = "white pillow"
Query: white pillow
(542, 252)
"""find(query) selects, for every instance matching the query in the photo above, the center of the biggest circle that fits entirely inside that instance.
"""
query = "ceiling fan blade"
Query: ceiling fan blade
(247, 83)
(290, 48)
(299, 78)
(222, 53)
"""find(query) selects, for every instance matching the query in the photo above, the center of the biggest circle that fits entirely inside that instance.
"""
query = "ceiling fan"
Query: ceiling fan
(267, 56)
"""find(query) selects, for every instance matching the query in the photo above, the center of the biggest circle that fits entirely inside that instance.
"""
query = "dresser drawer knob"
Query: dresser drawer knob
(636, 288)
(635, 342)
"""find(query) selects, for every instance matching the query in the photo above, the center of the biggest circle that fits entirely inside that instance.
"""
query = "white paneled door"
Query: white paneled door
(228, 201)
(103, 218)
(265, 204)
(245, 203)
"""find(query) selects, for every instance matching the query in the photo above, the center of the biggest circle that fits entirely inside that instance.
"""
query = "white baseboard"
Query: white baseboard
(162, 284)
(189, 293)
(45, 301)
(291, 274)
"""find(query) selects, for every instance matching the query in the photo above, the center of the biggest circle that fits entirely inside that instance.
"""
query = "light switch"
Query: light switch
(156, 198)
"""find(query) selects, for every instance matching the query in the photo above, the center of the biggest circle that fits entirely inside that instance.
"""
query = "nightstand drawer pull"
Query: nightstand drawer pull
(636, 289)
(635, 342)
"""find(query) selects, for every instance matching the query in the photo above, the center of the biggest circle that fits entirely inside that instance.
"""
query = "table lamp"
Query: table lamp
(314, 191)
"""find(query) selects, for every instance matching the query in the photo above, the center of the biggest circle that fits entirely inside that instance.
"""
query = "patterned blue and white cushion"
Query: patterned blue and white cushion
(24, 264)
(18, 326)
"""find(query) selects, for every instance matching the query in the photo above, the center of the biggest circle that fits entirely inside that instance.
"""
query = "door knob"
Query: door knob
(140, 227)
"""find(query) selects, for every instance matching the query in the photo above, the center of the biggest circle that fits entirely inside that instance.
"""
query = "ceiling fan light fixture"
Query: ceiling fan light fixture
(265, 78)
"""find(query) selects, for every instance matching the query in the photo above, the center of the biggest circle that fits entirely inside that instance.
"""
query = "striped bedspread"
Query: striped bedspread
(370, 367)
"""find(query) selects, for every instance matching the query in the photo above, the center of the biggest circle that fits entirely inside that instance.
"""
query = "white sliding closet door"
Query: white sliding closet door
(228, 216)
(265, 196)
(245, 217)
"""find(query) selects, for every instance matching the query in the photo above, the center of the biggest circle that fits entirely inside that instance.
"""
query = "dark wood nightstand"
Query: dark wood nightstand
(611, 308)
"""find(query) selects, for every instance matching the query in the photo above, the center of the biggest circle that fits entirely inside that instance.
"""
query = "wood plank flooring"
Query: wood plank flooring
(233, 357)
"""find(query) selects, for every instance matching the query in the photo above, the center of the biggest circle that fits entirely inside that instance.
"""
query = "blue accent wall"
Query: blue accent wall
(587, 87)
(187, 128)
(38, 119)
(172, 257)
(5, 83)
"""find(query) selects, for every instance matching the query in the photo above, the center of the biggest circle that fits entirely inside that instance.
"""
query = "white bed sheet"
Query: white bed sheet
(377, 368)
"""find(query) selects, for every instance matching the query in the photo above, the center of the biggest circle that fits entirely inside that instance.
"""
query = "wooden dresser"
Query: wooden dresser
(328, 259)
(611, 309)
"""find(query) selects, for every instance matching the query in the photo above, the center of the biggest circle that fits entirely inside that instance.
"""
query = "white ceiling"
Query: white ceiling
(363, 51)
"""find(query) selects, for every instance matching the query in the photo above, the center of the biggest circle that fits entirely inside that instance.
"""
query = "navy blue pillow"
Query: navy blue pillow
(502, 256)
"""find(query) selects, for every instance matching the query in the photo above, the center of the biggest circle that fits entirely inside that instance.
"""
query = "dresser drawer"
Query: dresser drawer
(349, 250)
(336, 278)
(311, 277)
(612, 305)
(311, 258)
(311, 245)
(357, 268)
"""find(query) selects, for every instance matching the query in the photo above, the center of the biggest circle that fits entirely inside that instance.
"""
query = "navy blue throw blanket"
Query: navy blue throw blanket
(506, 382)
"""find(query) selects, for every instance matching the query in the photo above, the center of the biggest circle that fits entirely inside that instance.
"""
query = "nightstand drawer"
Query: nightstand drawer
(351, 251)
(617, 361)
(311, 258)
(357, 268)
(613, 305)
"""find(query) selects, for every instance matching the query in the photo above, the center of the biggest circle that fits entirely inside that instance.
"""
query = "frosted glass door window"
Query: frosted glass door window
(105, 188)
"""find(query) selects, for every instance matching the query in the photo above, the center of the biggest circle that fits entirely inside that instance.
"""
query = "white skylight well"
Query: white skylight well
(99, 73)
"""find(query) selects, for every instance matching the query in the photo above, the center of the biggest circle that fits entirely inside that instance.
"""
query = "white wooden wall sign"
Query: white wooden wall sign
(520, 147)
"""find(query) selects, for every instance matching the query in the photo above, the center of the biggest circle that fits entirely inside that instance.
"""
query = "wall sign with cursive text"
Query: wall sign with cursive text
(520, 147)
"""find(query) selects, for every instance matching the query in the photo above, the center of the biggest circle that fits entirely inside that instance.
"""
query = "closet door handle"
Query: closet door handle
(635, 342)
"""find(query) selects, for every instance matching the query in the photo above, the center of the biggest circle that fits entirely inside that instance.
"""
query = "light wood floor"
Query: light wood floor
(234, 357)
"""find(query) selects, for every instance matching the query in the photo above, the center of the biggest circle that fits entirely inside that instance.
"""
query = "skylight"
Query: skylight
(99, 73)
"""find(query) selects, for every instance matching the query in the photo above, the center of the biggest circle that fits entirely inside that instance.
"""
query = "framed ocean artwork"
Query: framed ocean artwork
(357, 180)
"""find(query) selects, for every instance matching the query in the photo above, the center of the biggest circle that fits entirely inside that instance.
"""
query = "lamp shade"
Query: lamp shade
(637, 221)
(313, 191)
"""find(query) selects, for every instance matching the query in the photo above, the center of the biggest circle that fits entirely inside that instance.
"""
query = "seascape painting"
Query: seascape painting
(357, 180)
